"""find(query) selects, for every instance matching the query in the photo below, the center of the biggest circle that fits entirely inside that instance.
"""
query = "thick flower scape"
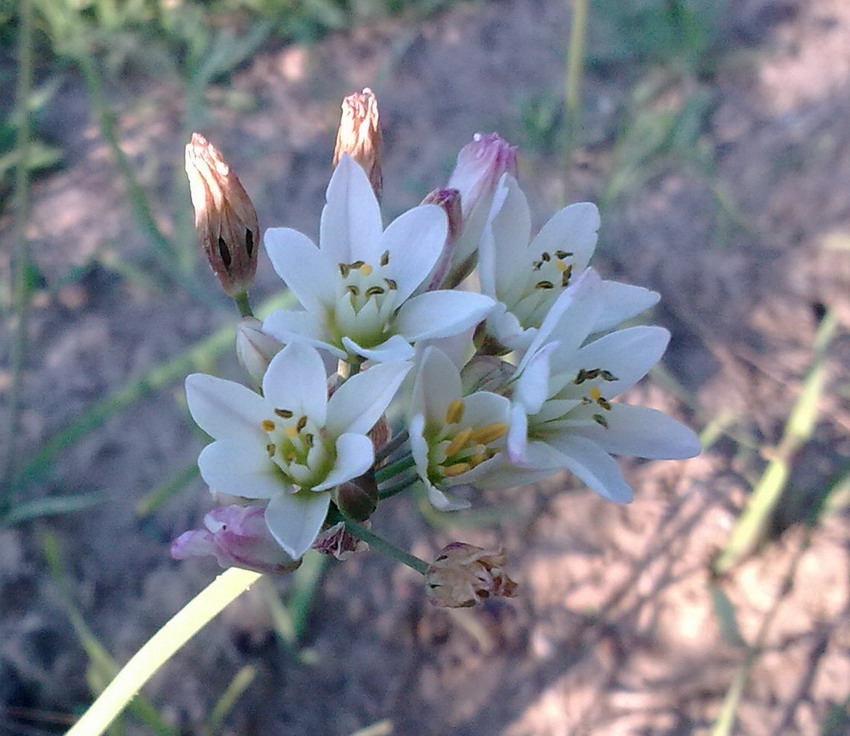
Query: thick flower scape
(438, 389)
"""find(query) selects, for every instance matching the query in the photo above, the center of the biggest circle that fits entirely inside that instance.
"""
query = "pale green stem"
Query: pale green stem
(161, 647)
(243, 304)
(382, 545)
(575, 72)
(393, 469)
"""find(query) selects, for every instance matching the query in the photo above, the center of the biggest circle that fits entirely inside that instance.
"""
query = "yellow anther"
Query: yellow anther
(365, 270)
(459, 441)
(450, 471)
(475, 460)
(291, 431)
(267, 425)
(595, 393)
(561, 266)
(455, 411)
(490, 432)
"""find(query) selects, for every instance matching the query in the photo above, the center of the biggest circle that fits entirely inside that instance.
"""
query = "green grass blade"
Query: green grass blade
(238, 685)
(51, 506)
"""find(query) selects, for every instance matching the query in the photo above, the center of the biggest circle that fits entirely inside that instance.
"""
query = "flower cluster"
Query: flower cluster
(489, 387)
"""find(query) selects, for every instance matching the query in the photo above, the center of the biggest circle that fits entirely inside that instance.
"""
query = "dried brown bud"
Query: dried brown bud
(359, 135)
(357, 498)
(225, 218)
(463, 574)
(336, 541)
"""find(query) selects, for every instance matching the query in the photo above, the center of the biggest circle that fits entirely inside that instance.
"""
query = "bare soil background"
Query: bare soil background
(614, 630)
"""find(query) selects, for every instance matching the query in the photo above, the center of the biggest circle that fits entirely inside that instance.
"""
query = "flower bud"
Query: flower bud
(449, 200)
(359, 135)
(477, 176)
(237, 536)
(463, 574)
(357, 499)
(255, 348)
(336, 541)
(225, 218)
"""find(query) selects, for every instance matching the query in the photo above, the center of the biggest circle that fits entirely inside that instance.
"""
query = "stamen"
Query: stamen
(391, 284)
(344, 269)
(545, 257)
(450, 471)
(356, 265)
(595, 393)
(561, 266)
(301, 423)
(290, 432)
(459, 441)
(374, 290)
(565, 276)
(599, 419)
(308, 439)
(353, 290)
(544, 285)
(267, 425)
(563, 254)
(607, 376)
(365, 270)
(604, 403)
(476, 460)
(490, 432)
(270, 449)
(385, 258)
(285, 413)
(454, 413)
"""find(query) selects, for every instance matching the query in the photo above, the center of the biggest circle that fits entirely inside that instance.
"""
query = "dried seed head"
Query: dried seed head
(225, 218)
(462, 574)
(359, 135)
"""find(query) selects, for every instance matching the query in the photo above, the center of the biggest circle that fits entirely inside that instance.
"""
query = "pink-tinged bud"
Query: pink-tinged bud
(237, 536)
(254, 348)
(449, 200)
(477, 175)
(225, 218)
(359, 135)
(357, 499)
(380, 434)
(336, 541)
(463, 574)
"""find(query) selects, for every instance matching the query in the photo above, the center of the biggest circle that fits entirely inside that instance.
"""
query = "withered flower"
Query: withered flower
(225, 218)
(463, 574)
(359, 135)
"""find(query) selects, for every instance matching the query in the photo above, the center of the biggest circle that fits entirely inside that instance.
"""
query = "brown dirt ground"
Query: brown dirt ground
(613, 632)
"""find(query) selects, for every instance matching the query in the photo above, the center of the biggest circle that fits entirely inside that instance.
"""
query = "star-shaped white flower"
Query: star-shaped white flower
(291, 445)
(562, 415)
(355, 289)
(450, 434)
(527, 276)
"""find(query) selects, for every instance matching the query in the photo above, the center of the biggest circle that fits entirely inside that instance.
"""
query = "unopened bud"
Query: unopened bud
(254, 348)
(225, 218)
(449, 200)
(359, 135)
(479, 169)
(237, 536)
(357, 499)
(336, 541)
(463, 574)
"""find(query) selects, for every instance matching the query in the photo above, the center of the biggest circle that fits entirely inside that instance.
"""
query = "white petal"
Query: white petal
(621, 302)
(295, 519)
(354, 456)
(290, 326)
(441, 314)
(496, 473)
(593, 466)
(414, 241)
(511, 232)
(573, 229)
(532, 386)
(506, 328)
(223, 408)
(418, 445)
(643, 432)
(306, 270)
(240, 468)
(437, 384)
(395, 349)
(628, 354)
(483, 407)
(296, 380)
(569, 319)
(443, 501)
(517, 435)
(350, 228)
(362, 399)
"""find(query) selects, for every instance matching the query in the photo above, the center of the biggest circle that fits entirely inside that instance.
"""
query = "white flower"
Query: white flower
(450, 434)
(292, 445)
(356, 288)
(527, 278)
(561, 412)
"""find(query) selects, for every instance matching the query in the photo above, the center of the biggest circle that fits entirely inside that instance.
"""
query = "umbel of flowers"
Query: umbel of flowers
(490, 387)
